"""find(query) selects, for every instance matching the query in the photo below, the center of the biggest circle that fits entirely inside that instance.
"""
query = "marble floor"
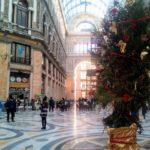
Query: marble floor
(69, 130)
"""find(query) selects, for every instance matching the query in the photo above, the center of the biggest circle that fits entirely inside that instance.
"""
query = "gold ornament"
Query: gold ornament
(143, 54)
(130, 2)
(122, 46)
(148, 72)
(113, 27)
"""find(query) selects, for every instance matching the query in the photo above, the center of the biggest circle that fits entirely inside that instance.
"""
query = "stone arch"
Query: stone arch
(70, 81)
(30, 2)
(73, 61)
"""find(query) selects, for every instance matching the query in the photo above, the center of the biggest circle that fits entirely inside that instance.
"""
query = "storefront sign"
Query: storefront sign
(19, 85)
(11, 90)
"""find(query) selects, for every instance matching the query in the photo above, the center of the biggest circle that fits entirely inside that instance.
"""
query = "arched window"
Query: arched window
(22, 13)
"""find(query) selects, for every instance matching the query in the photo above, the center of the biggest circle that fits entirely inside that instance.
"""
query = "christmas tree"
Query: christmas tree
(123, 50)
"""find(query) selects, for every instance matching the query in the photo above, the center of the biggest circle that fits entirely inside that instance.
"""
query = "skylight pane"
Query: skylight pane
(93, 10)
(73, 3)
(96, 8)
(84, 27)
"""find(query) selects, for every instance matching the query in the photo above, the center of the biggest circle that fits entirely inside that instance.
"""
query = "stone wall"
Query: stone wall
(36, 79)
(4, 81)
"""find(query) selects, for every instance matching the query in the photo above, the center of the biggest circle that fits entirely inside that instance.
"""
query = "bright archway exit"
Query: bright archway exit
(82, 83)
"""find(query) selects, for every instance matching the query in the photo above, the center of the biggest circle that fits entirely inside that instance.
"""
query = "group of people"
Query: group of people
(85, 104)
(62, 105)
(44, 105)
(49, 104)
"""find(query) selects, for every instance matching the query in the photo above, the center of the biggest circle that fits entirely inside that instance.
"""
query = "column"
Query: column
(2, 8)
(4, 72)
(31, 85)
(10, 11)
(56, 91)
(15, 12)
(46, 78)
(50, 87)
(29, 20)
(35, 10)
(60, 96)
(37, 70)
(53, 88)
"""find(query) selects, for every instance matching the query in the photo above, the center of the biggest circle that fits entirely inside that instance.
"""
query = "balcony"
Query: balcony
(21, 60)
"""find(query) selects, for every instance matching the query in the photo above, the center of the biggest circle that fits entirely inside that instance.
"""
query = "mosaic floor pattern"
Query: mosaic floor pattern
(65, 131)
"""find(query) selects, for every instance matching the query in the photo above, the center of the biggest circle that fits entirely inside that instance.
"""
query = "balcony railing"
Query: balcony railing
(21, 60)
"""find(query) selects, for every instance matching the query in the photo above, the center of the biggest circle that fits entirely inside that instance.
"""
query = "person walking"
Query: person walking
(10, 106)
(43, 114)
(51, 104)
(144, 110)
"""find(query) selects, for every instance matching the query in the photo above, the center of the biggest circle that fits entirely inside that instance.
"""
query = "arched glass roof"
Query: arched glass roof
(73, 8)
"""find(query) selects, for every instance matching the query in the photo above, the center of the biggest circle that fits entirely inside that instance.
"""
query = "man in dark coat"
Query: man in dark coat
(144, 110)
(51, 104)
(43, 114)
(10, 106)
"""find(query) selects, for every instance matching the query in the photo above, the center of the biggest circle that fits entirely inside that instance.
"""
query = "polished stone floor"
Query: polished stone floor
(69, 130)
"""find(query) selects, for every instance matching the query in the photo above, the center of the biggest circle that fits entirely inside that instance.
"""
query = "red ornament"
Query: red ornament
(126, 97)
(126, 38)
(133, 25)
(106, 87)
(114, 11)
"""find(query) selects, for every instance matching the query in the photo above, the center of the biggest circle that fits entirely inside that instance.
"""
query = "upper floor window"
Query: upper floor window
(83, 75)
(44, 21)
(53, 47)
(21, 54)
(22, 13)
(49, 69)
(49, 35)
(44, 62)
(83, 85)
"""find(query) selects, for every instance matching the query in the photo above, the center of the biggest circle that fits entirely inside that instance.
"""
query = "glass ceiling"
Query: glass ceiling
(73, 8)
(85, 27)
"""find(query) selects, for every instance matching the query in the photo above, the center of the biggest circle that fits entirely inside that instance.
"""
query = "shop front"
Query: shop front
(19, 86)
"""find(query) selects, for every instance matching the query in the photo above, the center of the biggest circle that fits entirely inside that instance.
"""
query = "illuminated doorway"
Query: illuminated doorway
(80, 79)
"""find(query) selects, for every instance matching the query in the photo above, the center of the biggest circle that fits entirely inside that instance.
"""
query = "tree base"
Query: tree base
(123, 138)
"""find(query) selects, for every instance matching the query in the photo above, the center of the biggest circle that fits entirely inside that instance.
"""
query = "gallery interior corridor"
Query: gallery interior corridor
(71, 130)
(94, 52)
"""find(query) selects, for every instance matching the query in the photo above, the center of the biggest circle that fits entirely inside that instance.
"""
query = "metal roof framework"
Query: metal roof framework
(74, 8)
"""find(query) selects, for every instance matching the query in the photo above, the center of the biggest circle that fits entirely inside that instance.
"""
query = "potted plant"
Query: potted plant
(123, 50)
